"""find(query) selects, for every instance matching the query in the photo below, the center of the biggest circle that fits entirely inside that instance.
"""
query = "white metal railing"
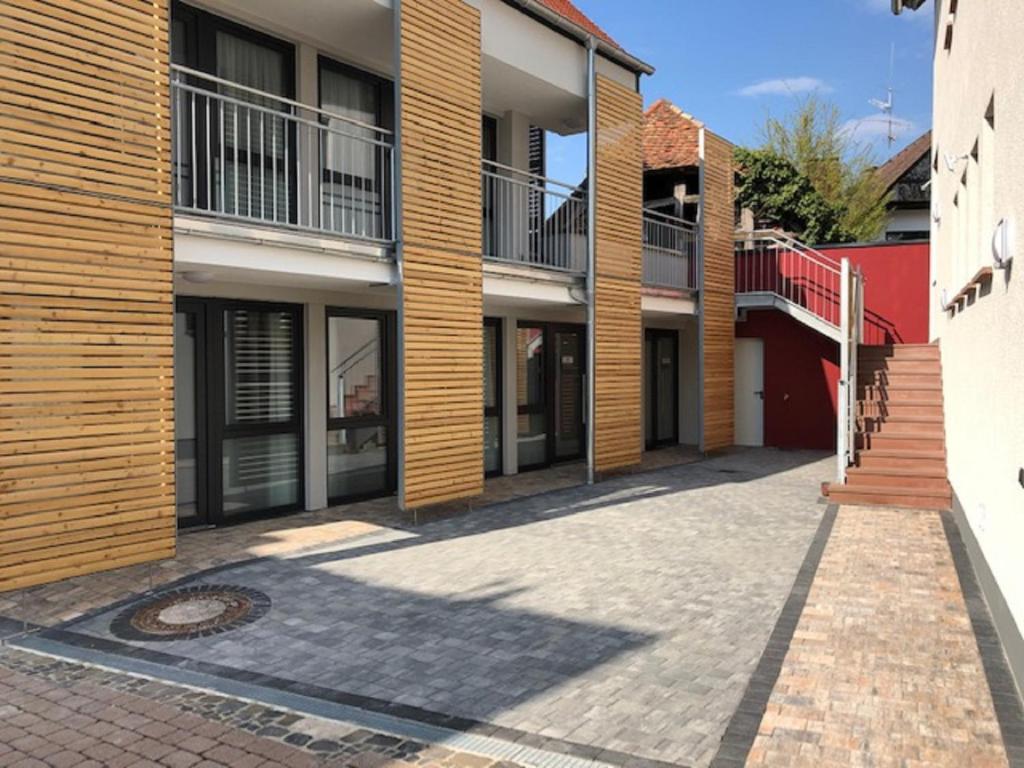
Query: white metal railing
(850, 339)
(670, 251)
(242, 153)
(771, 262)
(530, 219)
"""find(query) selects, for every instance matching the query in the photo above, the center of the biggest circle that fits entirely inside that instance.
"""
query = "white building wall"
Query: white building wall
(983, 344)
(908, 221)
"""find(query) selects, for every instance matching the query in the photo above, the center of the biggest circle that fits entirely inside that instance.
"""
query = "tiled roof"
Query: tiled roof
(671, 137)
(567, 10)
(893, 170)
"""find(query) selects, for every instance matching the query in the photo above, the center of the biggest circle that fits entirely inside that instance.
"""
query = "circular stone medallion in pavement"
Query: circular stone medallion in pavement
(191, 612)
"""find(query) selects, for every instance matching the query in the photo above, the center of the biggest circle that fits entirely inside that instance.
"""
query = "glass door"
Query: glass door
(567, 402)
(260, 425)
(661, 353)
(190, 413)
(360, 393)
(532, 396)
(550, 371)
(492, 397)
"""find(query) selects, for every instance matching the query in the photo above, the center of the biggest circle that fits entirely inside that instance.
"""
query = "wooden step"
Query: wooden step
(899, 424)
(900, 478)
(882, 392)
(902, 441)
(900, 380)
(900, 366)
(900, 352)
(899, 409)
(892, 458)
(911, 498)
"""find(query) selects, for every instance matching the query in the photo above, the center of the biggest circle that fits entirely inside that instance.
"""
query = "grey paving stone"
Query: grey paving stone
(593, 607)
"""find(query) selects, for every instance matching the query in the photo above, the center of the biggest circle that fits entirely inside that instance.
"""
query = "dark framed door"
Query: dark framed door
(247, 385)
(661, 360)
(550, 390)
(493, 433)
(190, 419)
(361, 450)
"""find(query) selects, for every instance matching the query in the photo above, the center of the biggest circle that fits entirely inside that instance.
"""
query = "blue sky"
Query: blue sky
(733, 62)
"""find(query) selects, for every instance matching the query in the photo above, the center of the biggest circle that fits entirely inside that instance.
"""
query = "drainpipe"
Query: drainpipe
(396, 224)
(591, 250)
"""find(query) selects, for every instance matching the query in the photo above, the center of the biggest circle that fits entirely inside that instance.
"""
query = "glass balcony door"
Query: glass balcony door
(361, 451)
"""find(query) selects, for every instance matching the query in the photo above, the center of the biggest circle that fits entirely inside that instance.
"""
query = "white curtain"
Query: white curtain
(258, 136)
(351, 196)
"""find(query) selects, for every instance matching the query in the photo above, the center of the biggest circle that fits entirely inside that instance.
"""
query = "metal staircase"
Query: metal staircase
(776, 271)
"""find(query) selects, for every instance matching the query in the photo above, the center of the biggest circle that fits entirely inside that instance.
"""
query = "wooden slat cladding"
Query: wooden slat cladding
(618, 436)
(442, 223)
(718, 294)
(86, 305)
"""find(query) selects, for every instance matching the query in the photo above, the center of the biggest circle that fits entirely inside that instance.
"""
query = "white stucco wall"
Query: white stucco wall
(983, 344)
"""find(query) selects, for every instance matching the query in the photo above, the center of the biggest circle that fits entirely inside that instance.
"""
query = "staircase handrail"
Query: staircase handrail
(788, 242)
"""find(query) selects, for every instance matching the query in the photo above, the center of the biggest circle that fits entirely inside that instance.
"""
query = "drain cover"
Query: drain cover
(191, 612)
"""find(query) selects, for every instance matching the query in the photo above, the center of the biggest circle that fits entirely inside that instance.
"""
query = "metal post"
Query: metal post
(396, 223)
(591, 253)
(843, 399)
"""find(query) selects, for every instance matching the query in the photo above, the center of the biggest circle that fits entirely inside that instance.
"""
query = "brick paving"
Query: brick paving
(625, 617)
(62, 715)
(52, 604)
(884, 668)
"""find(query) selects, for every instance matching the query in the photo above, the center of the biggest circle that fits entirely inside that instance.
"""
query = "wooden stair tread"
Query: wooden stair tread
(897, 472)
(902, 453)
(891, 490)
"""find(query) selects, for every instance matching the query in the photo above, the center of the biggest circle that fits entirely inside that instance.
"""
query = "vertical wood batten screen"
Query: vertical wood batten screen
(618, 430)
(442, 224)
(86, 304)
(718, 300)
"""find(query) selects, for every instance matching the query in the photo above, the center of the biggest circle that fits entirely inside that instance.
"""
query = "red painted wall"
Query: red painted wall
(801, 367)
(895, 290)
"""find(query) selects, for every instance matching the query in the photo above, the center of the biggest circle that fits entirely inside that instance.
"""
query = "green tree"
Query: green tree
(813, 138)
(771, 187)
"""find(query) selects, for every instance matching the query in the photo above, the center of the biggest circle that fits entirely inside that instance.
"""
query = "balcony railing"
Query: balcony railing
(670, 252)
(245, 154)
(533, 220)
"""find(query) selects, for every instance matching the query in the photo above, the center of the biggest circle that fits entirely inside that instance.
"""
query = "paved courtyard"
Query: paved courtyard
(625, 618)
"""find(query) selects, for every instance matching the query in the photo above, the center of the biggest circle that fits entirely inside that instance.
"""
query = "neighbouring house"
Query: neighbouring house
(787, 299)
(905, 176)
(268, 257)
(977, 293)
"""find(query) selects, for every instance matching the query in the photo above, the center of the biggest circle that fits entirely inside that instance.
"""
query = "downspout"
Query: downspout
(396, 223)
(701, 234)
(591, 252)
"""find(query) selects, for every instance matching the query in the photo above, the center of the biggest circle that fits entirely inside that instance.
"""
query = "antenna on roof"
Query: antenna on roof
(886, 107)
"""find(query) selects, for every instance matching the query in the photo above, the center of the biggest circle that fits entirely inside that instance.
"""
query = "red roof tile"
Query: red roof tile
(671, 137)
(567, 10)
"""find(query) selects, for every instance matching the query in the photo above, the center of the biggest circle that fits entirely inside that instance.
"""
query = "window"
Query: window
(492, 396)
(354, 191)
(244, 155)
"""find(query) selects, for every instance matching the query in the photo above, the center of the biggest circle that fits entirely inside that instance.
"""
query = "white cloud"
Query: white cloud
(786, 86)
(871, 128)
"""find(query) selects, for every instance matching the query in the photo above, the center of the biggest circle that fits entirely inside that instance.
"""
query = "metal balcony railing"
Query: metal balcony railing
(772, 263)
(670, 252)
(240, 153)
(533, 220)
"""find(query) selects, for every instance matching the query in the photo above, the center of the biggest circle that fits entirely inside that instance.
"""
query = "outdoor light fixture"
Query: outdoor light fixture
(197, 276)
(1002, 244)
(952, 160)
